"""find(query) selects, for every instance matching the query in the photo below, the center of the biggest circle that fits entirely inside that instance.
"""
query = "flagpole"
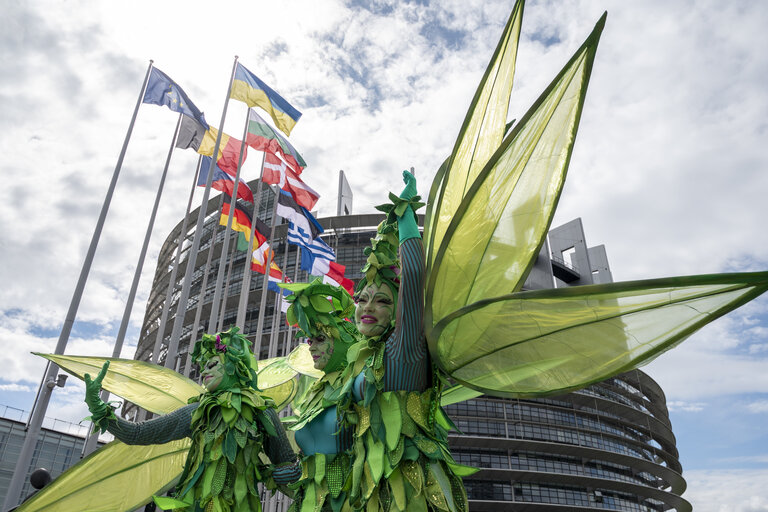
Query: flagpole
(178, 322)
(226, 287)
(201, 296)
(49, 378)
(225, 243)
(245, 289)
(295, 278)
(175, 269)
(90, 445)
(279, 303)
(265, 281)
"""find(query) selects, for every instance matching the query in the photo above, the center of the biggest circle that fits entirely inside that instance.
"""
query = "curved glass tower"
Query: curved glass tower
(609, 446)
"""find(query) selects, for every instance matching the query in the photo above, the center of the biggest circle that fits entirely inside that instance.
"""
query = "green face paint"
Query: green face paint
(321, 349)
(375, 310)
(213, 373)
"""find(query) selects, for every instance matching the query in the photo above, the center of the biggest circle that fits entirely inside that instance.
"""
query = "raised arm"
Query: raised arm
(407, 357)
(169, 427)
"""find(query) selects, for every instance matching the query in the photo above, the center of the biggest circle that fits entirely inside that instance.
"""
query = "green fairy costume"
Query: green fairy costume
(401, 460)
(230, 426)
(320, 310)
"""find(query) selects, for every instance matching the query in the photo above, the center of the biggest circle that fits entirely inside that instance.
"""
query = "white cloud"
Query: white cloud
(760, 406)
(679, 405)
(15, 387)
(727, 490)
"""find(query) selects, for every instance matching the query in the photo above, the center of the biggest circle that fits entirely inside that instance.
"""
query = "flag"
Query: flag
(229, 150)
(274, 286)
(319, 260)
(242, 243)
(262, 137)
(335, 276)
(276, 172)
(249, 89)
(203, 139)
(161, 90)
(191, 134)
(241, 220)
(258, 259)
(223, 182)
(316, 249)
(306, 226)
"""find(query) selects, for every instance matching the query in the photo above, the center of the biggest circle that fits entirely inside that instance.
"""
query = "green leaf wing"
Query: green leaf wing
(91, 484)
(500, 225)
(155, 388)
(545, 342)
(480, 136)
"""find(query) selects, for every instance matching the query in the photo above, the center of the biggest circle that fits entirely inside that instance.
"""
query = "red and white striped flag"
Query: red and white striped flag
(277, 172)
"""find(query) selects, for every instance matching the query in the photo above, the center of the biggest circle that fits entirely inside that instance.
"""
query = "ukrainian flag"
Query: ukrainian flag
(249, 89)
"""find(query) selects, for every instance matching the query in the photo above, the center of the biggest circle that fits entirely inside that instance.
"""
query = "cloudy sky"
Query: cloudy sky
(669, 170)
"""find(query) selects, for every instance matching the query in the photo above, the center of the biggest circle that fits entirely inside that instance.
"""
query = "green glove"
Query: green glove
(410, 186)
(407, 225)
(101, 411)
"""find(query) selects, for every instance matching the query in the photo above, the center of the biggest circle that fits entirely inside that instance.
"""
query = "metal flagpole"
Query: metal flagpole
(173, 344)
(267, 264)
(225, 242)
(295, 278)
(201, 296)
(245, 289)
(175, 269)
(232, 255)
(278, 305)
(90, 445)
(49, 378)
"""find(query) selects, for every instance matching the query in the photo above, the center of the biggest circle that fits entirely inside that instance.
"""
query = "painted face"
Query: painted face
(375, 310)
(213, 373)
(321, 349)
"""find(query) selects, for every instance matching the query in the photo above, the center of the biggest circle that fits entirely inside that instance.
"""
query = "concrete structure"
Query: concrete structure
(609, 446)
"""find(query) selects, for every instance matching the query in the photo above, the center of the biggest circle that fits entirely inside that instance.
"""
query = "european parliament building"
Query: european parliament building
(609, 446)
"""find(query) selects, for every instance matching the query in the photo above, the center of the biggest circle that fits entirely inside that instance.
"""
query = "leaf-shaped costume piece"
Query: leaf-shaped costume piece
(227, 425)
(485, 229)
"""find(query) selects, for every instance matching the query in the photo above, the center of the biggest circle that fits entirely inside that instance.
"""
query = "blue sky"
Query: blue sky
(668, 171)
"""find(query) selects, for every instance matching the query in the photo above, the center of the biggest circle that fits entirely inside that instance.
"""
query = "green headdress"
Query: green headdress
(239, 363)
(319, 308)
(383, 263)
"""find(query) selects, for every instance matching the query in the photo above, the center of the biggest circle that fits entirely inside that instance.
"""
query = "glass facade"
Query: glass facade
(55, 450)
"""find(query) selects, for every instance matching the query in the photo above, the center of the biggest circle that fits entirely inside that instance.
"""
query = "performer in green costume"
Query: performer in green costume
(400, 459)
(321, 312)
(230, 425)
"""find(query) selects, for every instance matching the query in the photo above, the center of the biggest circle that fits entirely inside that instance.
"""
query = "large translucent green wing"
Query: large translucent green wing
(108, 480)
(155, 388)
(499, 227)
(552, 341)
(480, 136)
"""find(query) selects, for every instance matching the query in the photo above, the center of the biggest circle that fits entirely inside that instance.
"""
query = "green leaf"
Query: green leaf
(321, 304)
(230, 447)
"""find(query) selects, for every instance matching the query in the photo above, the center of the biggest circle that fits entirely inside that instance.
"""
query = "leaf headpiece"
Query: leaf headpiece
(319, 308)
(239, 363)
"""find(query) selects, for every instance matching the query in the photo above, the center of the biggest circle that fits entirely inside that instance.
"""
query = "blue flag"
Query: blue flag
(161, 90)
